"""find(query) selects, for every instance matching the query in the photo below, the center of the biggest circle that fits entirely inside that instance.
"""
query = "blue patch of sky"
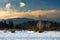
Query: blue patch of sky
(33, 4)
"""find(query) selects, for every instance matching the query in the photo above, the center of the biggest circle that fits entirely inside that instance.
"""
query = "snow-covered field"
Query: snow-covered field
(30, 35)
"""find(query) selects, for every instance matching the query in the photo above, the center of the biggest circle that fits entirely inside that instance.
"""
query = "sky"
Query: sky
(29, 8)
(24, 5)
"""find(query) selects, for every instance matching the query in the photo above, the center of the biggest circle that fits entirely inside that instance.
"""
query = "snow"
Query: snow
(30, 35)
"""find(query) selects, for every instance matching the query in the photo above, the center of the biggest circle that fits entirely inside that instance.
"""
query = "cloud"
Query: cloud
(8, 6)
(30, 14)
(22, 4)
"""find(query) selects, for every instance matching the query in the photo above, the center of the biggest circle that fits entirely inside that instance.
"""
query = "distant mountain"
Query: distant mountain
(52, 19)
(19, 20)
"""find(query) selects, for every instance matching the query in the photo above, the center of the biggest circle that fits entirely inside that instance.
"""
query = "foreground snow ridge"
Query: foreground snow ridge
(30, 35)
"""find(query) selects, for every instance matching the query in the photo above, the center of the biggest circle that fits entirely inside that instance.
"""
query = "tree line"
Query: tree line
(30, 26)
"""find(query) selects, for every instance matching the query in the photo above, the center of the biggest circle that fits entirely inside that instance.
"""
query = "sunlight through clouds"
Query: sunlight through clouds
(30, 14)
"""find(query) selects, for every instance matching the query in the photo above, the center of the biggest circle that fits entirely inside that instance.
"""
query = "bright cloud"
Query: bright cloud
(8, 6)
(22, 4)
(30, 14)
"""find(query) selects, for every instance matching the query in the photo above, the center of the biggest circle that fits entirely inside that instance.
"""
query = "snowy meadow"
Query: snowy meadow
(30, 35)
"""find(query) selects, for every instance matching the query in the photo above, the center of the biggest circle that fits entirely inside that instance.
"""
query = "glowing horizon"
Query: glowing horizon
(30, 14)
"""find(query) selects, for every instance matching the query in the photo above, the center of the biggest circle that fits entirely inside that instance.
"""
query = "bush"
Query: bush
(12, 30)
(41, 29)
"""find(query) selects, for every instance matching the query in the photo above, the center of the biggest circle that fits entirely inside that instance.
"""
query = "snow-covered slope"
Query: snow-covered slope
(30, 35)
